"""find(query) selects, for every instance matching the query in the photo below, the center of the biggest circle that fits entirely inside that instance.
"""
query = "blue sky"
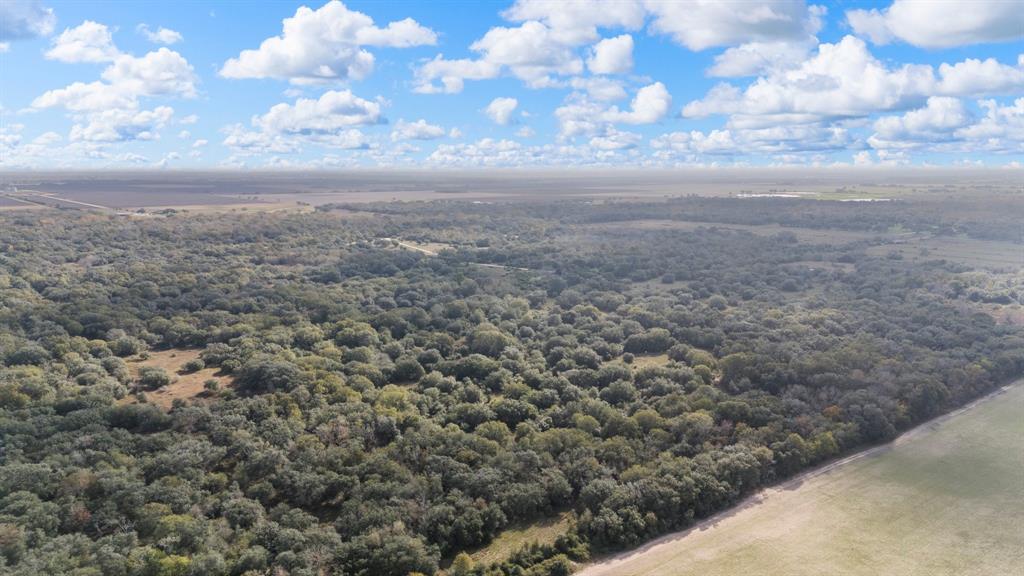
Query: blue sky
(518, 83)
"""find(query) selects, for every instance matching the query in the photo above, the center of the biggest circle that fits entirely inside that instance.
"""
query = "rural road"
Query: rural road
(613, 565)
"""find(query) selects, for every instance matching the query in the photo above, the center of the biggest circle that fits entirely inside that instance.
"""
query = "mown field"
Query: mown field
(946, 498)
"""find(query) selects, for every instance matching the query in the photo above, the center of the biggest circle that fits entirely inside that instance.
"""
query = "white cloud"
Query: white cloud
(842, 79)
(82, 97)
(159, 36)
(759, 57)
(575, 22)
(324, 45)
(615, 140)
(525, 132)
(119, 125)
(327, 121)
(582, 116)
(246, 141)
(651, 103)
(184, 135)
(941, 24)
(108, 110)
(579, 116)
(929, 125)
(5, 47)
(333, 111)
(543, 47)
(88, 42)
(532, 52)
(702, 24)
(600, 87)
(612, 56)
(24, 19)
(161, 72)
(452, 74)
(946, 125)
(490, 152)
(418, 130)
(200, 143)
(797, 139)
(500, 110)
(190, 119)
(981, 77)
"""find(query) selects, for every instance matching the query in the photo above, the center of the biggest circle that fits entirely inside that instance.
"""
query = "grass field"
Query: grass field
(514, 538)
(944, 499)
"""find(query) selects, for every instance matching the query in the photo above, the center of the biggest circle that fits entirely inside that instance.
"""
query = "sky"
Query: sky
(528, 83)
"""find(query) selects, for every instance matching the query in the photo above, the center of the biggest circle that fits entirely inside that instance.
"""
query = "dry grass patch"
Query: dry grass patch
(189, 386)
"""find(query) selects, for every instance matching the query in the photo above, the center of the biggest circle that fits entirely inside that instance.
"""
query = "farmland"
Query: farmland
(946, 498)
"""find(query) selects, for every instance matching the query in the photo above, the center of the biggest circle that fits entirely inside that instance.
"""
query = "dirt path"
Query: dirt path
(613, 565)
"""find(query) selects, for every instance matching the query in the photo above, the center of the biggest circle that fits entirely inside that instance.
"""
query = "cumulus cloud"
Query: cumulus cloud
(541, 49)
(109, 110)
(987, 76)
(583, 116)
(159, 36)
(941, 24)
(935, 122)
(755, 58)
(329, 120)
(545, 48)
(576, 22)
(615, 140)
(945, 124)
(88, 42)
(612, 55)
(120, 125)
(325, 45)
(500, 110)
(651, 103)
(703, 24)
(800, 139)
(448, 76)
(843, 80)
(160, 73)
(22, 19)
(600, 87)
(418, 130)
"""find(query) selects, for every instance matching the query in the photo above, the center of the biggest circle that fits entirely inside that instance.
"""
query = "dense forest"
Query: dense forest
(375, 410)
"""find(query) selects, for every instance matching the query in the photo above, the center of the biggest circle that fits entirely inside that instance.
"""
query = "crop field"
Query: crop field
(943, 499)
